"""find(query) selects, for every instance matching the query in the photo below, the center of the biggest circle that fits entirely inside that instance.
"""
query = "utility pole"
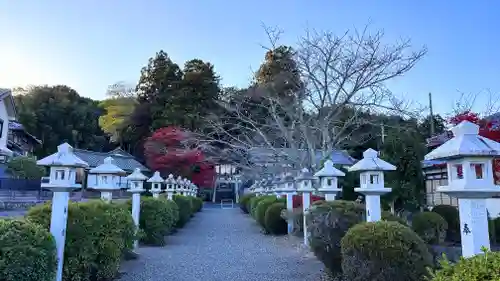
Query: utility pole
(431, 121)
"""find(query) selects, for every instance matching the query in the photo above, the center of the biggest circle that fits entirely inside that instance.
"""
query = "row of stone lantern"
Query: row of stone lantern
(371, 170)
(62, 180)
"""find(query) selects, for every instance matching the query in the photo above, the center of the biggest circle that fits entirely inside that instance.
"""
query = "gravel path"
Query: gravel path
(223, 245)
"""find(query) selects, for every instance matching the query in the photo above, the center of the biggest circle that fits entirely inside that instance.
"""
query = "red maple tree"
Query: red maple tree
(168, 151)
(487, 129)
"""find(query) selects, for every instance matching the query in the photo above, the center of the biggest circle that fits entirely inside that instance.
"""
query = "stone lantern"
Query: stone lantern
(178, 183)
(289, 190)
(170, 182)
(276, 184)
(372, 182)
(469, 164)
(304, 181)
(136, 187)
(195, 190)
(189, 187)
(181, 186)
(328, 180)
(108, 175)
(259, 189)
(156, 180)
(62, 180)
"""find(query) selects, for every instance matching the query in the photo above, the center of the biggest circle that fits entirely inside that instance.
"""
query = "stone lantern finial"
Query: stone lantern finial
(328, 180)
(469, 165)
(372, 182)
(156, 180)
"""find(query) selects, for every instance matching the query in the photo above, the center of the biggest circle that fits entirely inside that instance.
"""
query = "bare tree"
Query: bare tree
(121, 89)
(342, 85)
(489, 101)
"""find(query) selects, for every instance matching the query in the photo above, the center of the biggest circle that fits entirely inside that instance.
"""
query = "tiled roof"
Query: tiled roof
(122, 159)
(265, 155)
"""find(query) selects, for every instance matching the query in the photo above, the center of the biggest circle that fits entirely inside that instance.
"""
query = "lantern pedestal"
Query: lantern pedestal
(473, 217)
(330, 193)
(289, 208)
(372, 202)
(58, 222)
(156, 193)
(170, 195)
(106, 196)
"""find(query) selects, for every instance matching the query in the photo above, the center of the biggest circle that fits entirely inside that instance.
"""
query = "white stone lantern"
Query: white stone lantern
(62, 180)
(328, 180)
(289, 190)
(136, 187)
(259, 189)
(156, 180)
(304, 181)
(170, 189)
(189, 188)
(178, 183)
(276, 184)
(372, 182)
(469, 164)
(195, 190)
(108, 176)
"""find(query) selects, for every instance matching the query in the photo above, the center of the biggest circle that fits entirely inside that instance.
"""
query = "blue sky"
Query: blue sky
(91, 44)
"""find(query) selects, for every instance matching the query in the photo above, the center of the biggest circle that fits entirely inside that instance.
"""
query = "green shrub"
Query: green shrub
(244, 200)
(260, 210)
(157, 218)
(273, 221)
(478, 268)
(198, 203)
(254, 202)
(384, 250)
(430, 226)
(327, 224)
(27, 252)
(97, 235)
(194, 206)
(451, 216)
(185, 209)
(388, 216)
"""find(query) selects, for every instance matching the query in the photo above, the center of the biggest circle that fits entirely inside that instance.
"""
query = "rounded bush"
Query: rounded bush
(198, 203)
(97, 235)
(384, 250)
(185, 209)
(327, 224)
(254, 202)
(388, 216)
(157, 218)
(430, 226)
(273, 221)
(27, 252)
(451, 216)
(477, 268)
(260, 210)
(244, 200)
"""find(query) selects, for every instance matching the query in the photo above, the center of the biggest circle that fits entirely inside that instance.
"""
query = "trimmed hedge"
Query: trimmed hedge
(260, 210)
(244, 200)
(157, 218)
(430, 226)
(384, 250)
(27, 252)
(477, 268)
(451, 216)
(273, 221)
(255, 201)
(185, 209)
(97, 235)
(197, 204)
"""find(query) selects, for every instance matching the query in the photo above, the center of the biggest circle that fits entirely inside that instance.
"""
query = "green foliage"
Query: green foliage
(56, 114)
(478, 268)
(27, 252)
(273, 221)
(118, 110)
(328, 223)
(97, 235)
(185, 209)
(388, 216)
(430, 226)
(244, 200)
(197, 204)
(157, 218)
(254, 201)
(380, 251)
(23, 167)
(451, 216)
(260, 210)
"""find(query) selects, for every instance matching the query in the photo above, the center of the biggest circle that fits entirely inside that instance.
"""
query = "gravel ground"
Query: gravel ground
(223, 245)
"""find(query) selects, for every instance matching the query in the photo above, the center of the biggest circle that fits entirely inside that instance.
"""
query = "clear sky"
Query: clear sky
(91, 44)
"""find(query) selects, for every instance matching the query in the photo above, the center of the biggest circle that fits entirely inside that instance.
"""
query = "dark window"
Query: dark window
(1, 127)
